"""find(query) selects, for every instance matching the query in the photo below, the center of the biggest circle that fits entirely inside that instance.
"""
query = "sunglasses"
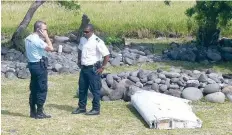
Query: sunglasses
(86, 31)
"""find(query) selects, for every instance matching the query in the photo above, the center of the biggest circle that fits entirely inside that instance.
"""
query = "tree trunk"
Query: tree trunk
(85, 20)
(17, 37)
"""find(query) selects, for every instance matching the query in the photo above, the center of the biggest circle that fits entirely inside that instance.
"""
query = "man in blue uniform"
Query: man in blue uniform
(37, 63)
(90, 52)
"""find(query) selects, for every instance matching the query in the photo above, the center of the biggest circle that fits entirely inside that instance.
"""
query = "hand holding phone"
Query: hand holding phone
(43, 34)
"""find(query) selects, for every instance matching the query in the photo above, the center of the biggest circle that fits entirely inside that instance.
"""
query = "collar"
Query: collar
(92, 37)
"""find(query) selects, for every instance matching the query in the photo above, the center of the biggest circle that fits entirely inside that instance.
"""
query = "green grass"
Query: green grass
(117, 117)
(113, 18)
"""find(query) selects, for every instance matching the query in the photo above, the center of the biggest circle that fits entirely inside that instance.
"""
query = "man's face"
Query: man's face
(44, 27)
(87, 33)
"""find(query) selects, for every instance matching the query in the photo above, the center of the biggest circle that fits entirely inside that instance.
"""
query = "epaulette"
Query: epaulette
(97, 39)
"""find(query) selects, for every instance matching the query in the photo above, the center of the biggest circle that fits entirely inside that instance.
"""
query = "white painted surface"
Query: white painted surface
(162, 111)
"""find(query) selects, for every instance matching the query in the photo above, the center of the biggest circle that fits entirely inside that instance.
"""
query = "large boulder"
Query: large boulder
(217, 97)
(192, 93)
(211, 88)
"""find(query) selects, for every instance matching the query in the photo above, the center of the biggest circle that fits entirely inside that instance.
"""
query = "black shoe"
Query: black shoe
(78, 111)
(32, 115)
(42, 116)
(93, 112)
(32, 111)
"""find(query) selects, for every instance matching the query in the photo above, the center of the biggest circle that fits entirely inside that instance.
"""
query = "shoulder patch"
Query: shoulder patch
(97, 39)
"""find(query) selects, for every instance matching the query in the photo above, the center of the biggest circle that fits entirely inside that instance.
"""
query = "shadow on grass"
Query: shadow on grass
(62, 107)
(137, 115)
(6, 112)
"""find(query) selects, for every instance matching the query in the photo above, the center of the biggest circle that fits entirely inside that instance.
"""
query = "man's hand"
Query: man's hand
(100, 70)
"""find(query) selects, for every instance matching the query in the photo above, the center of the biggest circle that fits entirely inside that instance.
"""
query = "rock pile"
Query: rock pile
(192, 85)
(191, 52)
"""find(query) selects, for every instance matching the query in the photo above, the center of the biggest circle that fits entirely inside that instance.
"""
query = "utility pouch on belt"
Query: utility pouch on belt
(97, 64)
(44, 62)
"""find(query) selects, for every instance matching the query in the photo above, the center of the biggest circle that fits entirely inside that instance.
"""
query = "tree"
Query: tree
(17, 38)
(210, 16)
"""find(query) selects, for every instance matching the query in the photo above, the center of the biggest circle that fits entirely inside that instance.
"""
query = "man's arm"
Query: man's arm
(49, 47)
(106, 59)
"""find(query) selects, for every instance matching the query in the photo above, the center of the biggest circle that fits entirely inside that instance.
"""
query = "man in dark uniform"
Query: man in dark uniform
(90, 52)
(37, 63)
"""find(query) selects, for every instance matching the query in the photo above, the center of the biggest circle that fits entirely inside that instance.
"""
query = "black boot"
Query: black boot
(41, 114)
(32, 111)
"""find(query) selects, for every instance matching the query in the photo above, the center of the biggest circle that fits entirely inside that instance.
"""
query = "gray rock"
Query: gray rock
(109, 80)
(139, 84)
(57, 67)
(161, 76)
(173, 92)
(144, 80)
(105, 98)
(129, 61)
(10, 75)
(116, 61)
(227, 90)
(173, 86)
(129, 92)
(67, 49)
(172, 75)
(217, 97)
(158, 80)
(134, 73)
(192, 93)
(4, 50)
(163, 88)
(155, 87)
(192, 83)
(60, 39)
(142, 59)
(229, 96)
(105, 90)
(227, 49)
(134, 79)
(63, 70)
(211, 88)
(202, 78)
(210, 81)
(227, 56)
(24, 73)
(174, 80)
(214, 56)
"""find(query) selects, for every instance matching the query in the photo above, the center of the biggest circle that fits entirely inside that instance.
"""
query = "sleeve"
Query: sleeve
(41, 44)
(102, 48)
(82, 42)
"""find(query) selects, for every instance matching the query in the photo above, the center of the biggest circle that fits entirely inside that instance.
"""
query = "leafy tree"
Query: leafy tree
(19, 34)
(210, 16)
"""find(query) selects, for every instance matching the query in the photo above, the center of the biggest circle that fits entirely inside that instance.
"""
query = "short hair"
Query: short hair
(90, 26)
(38, 24)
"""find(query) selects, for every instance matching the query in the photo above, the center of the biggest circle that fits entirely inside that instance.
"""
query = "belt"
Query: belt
(33, 63)
(89, 66)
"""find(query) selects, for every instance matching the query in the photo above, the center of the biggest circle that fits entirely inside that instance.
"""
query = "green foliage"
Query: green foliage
(210, 17)
(70, 4)
(112, 40)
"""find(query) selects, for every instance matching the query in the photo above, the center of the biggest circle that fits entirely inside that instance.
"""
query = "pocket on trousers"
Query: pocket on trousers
(43, 85)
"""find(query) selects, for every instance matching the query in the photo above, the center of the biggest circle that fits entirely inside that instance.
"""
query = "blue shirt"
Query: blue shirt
(35, 48)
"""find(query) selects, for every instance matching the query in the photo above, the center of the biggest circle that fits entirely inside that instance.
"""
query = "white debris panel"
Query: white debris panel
(162, 111)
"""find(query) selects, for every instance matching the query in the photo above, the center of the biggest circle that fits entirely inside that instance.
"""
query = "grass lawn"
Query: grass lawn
(112, 18)
(117, 117)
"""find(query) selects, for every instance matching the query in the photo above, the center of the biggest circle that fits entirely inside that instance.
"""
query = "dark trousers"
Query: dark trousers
(38, 84)
(89, 79)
